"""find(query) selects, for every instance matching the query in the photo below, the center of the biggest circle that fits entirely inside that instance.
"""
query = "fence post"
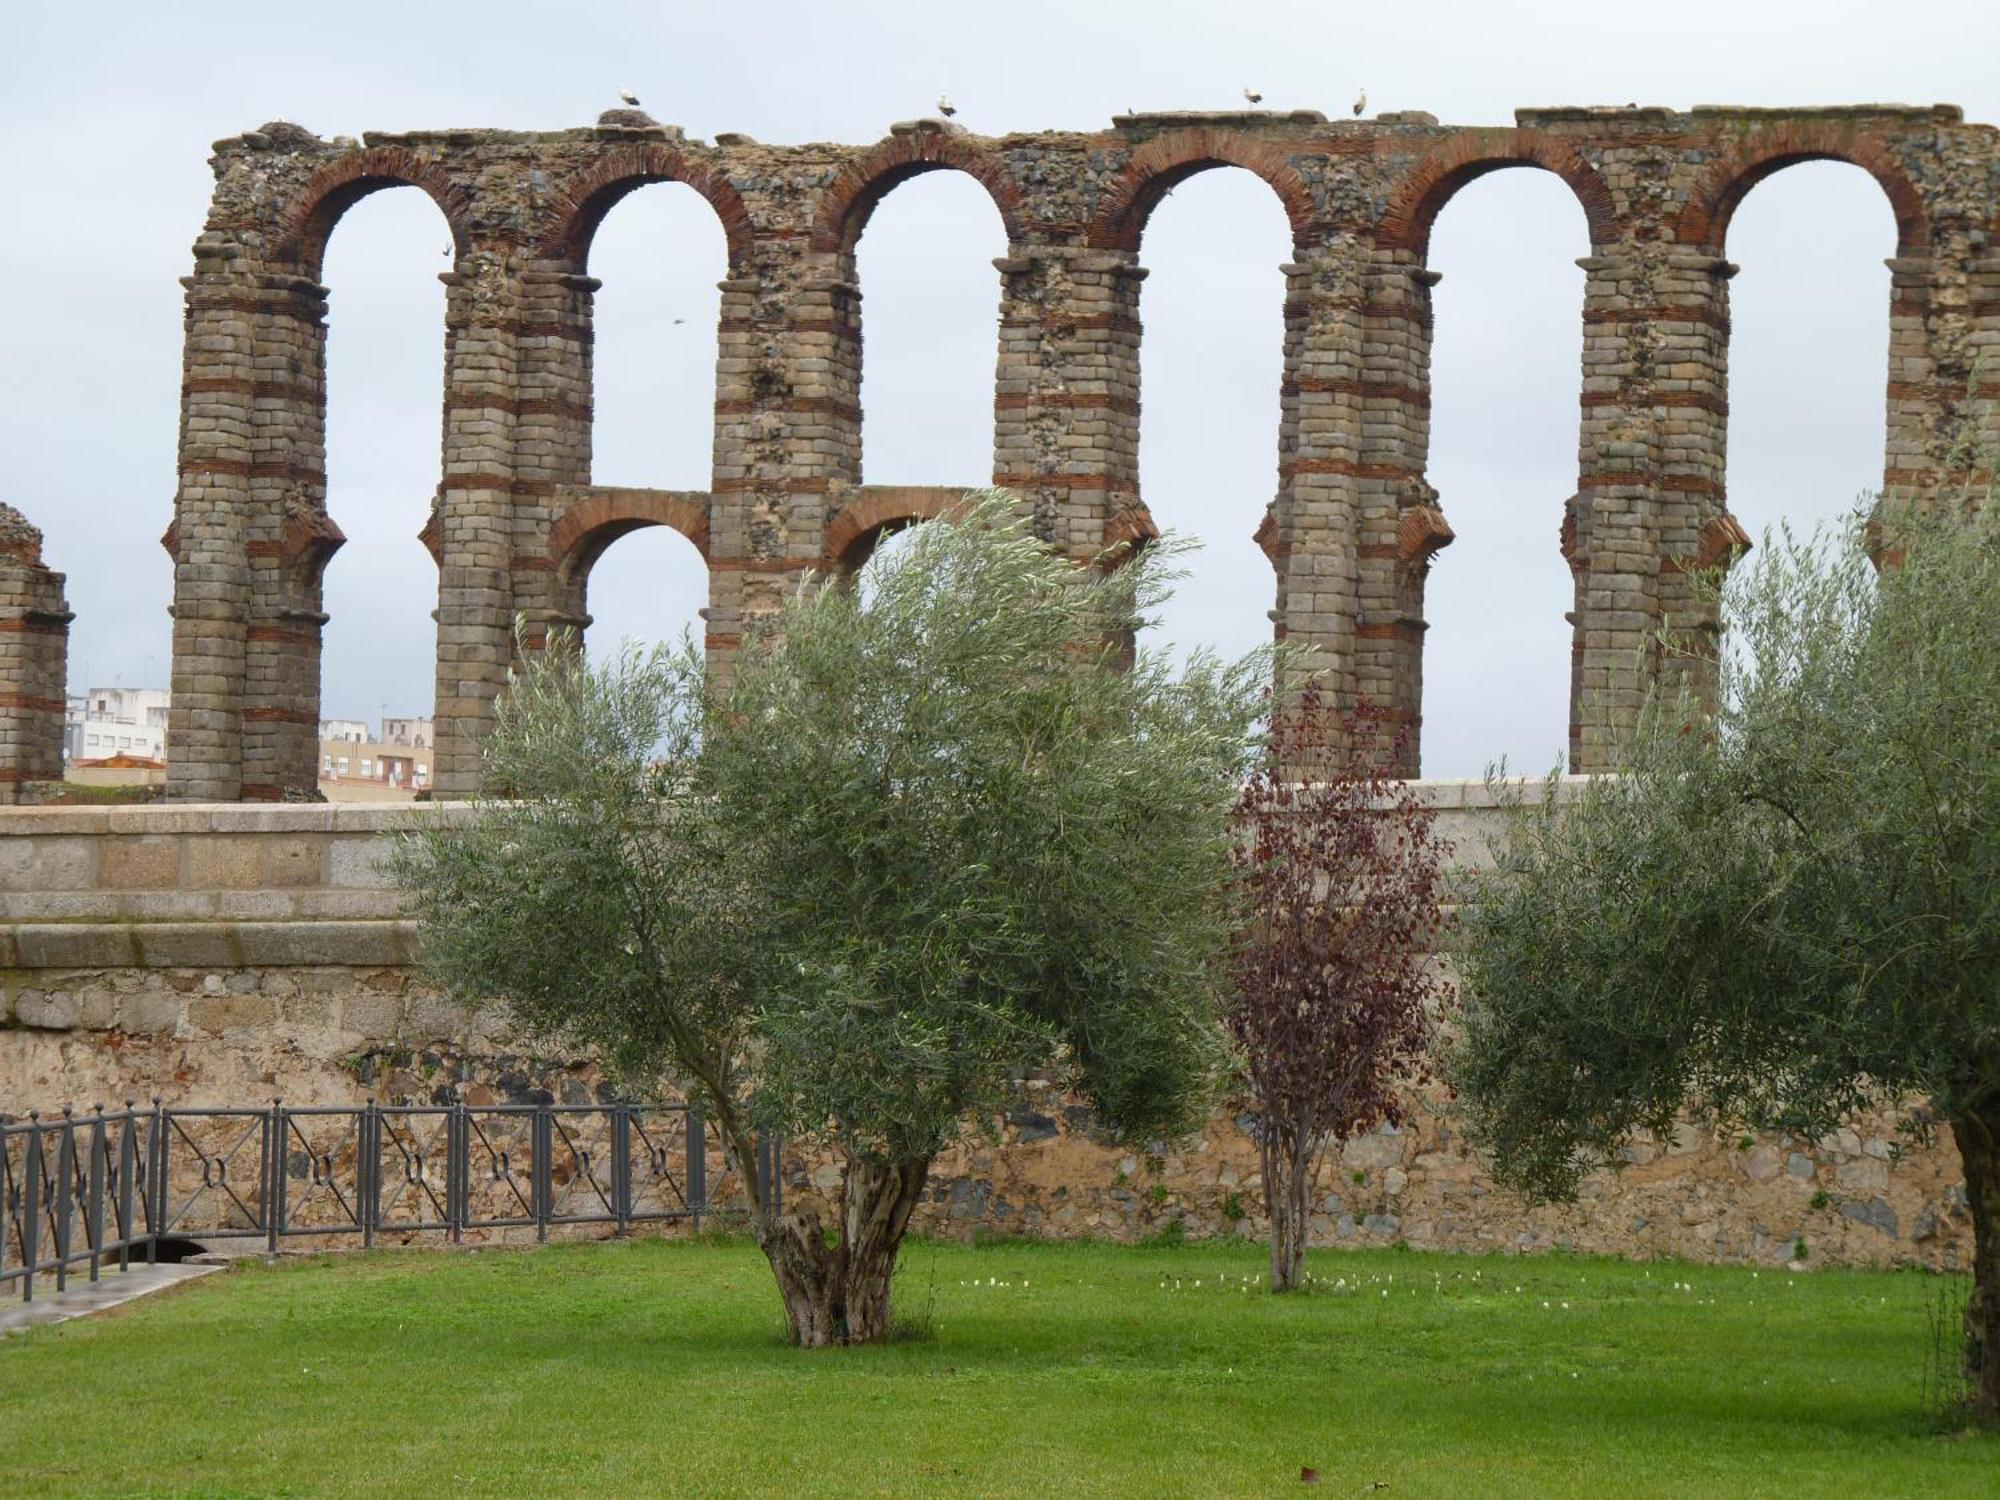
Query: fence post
(696, 1130)
(93, 1215)
(65, 1204)
(457, 1167)
(128, 1166)
(621, 1166)
(162, 1148)
(275, 1206)
(31, 1216)
(367, 1167)
(540, 1188)
(10, 1191)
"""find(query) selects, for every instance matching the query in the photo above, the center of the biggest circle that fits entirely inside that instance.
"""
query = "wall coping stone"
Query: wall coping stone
(1470, 794)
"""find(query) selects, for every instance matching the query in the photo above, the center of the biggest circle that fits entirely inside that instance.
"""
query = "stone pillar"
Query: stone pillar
(1650, 504)
(1066, 393)
(34, 661)
(552, 438)
(1982, 454)
(210, 534)
(788, 424)
(474, 517)
(1943, 428)
(1355, 524)
(291, 540)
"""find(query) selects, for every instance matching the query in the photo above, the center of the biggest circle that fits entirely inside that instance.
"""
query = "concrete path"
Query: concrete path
(112, 1288)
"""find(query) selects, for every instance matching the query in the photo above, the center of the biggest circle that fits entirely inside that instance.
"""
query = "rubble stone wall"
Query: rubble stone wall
(227, 955)
(1350, 530)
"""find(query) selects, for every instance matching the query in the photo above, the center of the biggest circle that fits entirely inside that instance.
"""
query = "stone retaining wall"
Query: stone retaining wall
(232, 954)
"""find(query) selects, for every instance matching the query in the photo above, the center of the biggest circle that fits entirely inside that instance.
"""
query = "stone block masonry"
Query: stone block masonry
(1353, 524)
(226, 955)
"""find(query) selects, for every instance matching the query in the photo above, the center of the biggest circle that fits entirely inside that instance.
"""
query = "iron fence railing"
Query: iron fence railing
(90, 1189)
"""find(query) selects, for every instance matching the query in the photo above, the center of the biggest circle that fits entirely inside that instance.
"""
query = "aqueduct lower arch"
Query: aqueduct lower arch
(1351, 527)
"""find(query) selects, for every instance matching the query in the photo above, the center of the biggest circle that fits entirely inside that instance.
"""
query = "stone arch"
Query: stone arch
(877, 511)
(1156, 167)
(1704, 222)
(582, 532)
(337, 187)
(1442, 172)
(847, 202)
(599, 517)
(592, 193)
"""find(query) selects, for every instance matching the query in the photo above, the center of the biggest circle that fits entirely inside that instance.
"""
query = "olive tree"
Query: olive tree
(932, 832)
(1783, 912)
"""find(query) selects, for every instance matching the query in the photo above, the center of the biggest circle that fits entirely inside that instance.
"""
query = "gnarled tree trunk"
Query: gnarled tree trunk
(839, 1293)
(1978, 1135)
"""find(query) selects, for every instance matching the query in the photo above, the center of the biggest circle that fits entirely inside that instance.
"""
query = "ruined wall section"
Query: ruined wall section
(34, 662)
(1352, 528)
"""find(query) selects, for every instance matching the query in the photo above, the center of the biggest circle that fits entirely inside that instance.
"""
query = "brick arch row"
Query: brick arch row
(846, 202)
(517, 519)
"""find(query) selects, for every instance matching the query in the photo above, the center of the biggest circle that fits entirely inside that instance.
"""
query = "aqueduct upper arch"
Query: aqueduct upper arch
(1350, 530)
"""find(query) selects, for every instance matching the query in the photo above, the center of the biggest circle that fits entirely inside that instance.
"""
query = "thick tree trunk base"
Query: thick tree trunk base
(839, 1293)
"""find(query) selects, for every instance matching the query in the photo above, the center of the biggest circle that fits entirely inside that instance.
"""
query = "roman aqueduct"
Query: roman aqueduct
(517, 523)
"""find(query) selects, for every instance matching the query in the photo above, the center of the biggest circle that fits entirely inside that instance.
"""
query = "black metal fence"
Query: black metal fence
(98, 1188)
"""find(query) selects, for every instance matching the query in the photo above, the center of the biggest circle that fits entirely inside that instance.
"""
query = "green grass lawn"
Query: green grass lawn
(657, 1368)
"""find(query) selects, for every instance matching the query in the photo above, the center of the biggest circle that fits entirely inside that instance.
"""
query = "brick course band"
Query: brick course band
(515, 532)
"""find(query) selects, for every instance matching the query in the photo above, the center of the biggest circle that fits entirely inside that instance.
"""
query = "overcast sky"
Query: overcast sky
(109, 111)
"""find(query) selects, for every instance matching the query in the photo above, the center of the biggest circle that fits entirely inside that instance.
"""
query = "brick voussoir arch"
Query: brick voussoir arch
(876, 507)
(591, 194)
(1704, 222)
(1454, 162)
(308, 223)
(846, 203)
(1173, 158)
(601, 516)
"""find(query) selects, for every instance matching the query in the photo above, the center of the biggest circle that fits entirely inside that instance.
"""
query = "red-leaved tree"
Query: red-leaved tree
(1335, 993)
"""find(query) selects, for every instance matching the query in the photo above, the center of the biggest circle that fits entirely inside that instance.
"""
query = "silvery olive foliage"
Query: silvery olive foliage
(1784, 910)
(937, 829)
